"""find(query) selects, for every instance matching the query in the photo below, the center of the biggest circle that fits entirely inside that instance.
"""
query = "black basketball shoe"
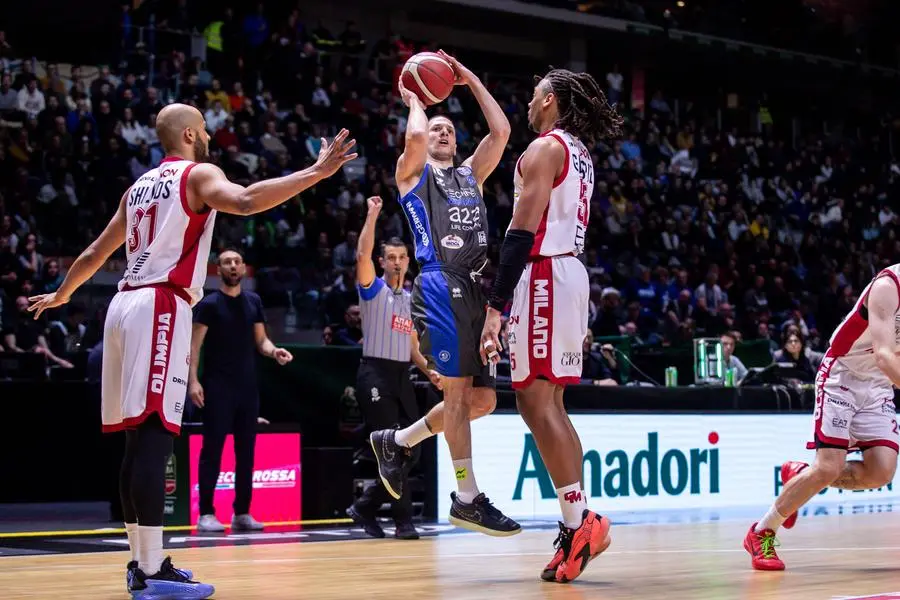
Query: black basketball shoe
(366, 521)
(392, 461)
(481, 516)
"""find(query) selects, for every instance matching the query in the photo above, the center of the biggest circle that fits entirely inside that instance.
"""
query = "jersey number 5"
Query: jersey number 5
(134, 240)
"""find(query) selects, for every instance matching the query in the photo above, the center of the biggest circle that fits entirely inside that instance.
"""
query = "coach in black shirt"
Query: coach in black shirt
(231, 322)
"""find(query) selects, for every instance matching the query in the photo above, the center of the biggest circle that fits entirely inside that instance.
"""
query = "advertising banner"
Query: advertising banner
(644, 462)
(276, 478)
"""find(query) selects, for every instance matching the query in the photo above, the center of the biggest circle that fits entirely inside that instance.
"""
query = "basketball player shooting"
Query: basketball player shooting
(854, 409)
(167, 218)
(447, 216)
(539, 269)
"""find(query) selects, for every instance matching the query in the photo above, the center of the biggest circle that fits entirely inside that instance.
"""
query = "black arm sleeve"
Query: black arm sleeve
(513, 256)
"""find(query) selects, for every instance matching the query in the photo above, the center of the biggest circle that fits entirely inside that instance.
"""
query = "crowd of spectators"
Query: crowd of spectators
(853, 31)
(694, 231)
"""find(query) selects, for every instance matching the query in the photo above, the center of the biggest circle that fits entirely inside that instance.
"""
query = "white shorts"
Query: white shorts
(548, 322)
(146, 357)
(853, 412)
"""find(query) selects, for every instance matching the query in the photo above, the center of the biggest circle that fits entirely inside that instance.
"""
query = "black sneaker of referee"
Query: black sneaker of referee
(368, 523)
(392, 461)
(481, 516)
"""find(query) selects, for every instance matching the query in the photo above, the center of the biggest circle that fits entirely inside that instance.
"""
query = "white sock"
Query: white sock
(573, 502)
(413, 435)
(772, 520)
(131, 529)
(150, 542)
(465, 480)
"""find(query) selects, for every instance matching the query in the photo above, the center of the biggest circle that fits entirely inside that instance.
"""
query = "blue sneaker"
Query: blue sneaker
(168, 584)
(133, 566)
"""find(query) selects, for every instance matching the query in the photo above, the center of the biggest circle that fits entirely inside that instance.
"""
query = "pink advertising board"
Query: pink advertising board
(276, 479)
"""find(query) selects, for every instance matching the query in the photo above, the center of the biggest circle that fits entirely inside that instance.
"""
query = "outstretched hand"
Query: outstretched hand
(335, 155)
(44, 302)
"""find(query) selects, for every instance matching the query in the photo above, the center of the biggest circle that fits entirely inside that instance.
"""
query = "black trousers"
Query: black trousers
(387, 400)
(227, 410)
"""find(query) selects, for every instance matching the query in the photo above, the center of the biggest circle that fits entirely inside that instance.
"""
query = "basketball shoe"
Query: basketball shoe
(789, 470)
(392, 459)
(761, 546)
(133, 566)
(575, 548)
(366, 521)
(481, 516)
(168, 584)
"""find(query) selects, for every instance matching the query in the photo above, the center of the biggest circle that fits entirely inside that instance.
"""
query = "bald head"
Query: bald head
(182, 131)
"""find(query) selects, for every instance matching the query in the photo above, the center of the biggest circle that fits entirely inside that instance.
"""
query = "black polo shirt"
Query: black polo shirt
(229, 349)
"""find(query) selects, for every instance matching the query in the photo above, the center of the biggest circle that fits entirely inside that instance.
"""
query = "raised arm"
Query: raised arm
(883, 302)
(87, 263)
(489, 152)
(209, 187)
(412, 162)
(365, 267)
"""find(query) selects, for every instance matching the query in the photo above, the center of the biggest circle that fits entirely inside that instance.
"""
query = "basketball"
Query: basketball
(429, 77)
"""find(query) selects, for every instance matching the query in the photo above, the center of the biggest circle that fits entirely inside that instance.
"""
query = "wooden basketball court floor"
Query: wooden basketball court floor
(830, 557)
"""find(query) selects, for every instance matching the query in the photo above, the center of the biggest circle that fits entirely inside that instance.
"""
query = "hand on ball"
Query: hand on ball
(407, 96)
(463, 75)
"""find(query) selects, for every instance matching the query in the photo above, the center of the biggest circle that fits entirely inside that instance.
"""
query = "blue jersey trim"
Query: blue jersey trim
(368, 293)
(440, 323)
(417, 217)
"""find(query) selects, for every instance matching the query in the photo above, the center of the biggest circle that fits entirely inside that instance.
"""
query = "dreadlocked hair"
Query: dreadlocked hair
(583, 108)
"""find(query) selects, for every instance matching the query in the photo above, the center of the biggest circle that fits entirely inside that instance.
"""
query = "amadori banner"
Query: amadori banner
(644, 462)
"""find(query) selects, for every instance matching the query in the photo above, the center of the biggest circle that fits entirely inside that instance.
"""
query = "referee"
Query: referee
(383, 388)
(232, 322)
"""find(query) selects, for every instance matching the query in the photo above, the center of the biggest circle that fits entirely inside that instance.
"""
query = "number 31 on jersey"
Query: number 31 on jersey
(143, 229)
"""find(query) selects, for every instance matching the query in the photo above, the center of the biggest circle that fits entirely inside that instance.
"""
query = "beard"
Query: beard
(201, 150)
(231, 280)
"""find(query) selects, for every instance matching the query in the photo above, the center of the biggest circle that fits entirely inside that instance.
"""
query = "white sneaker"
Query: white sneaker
(209, 523)
(245, 523)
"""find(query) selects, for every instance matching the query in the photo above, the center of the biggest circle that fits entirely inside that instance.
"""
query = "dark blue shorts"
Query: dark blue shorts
(448, 311)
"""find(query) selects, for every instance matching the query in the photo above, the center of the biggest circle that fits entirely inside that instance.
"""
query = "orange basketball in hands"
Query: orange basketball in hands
(429, 77)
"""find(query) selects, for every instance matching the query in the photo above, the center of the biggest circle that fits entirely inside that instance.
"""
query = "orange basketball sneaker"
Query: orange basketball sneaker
(789, 470)
(575, 548)
(761, 546)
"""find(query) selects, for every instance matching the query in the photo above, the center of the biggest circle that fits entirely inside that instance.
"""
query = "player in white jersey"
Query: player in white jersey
(166, 220)
(548, 322)
(854, 410)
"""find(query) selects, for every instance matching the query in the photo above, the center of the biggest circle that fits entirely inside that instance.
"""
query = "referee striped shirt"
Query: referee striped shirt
(386, 321)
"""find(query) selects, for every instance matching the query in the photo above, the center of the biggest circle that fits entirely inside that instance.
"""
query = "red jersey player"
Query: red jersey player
(854, 409)
(166, 220)
(549, 287)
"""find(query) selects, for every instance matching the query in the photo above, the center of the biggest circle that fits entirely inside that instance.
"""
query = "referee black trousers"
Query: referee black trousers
(387, 400)
(228, 412)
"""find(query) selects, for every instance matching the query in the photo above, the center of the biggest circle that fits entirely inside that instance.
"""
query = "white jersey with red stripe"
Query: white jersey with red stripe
(564, 223)
(166, 242)
(851, 343)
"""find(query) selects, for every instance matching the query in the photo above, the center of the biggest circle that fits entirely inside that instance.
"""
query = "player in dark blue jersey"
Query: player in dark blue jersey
(445, 209)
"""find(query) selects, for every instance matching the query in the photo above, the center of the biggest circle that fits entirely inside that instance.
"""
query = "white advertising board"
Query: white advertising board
(641, 462)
